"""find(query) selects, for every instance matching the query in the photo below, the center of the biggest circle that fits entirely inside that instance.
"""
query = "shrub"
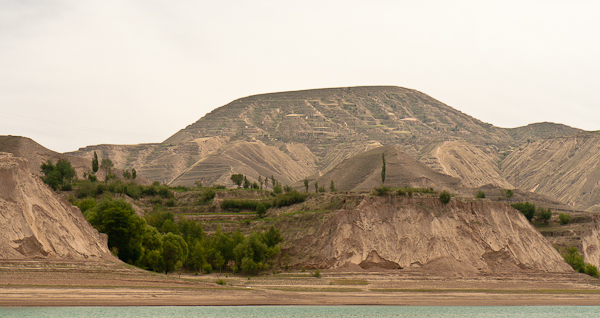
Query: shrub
(221, 281)
(207, 268)
(528, 209)
(218, 186)
(170, 203)
(573, 258)
(289, 198)
(591, 270)
(544, 215)
(261, 210)
(207, 196)
(480, 195)
(445, 197)
(564, 218)
(317, 273)
(237, 205)
(381, 191)
(277, 189)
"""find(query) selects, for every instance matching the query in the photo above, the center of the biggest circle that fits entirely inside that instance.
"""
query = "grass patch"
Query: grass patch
(311, 289)
(349, 282)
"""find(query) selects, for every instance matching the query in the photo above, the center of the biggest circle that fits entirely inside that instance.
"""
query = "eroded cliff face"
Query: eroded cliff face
(459, 238)
(591, 244)
(35, 223)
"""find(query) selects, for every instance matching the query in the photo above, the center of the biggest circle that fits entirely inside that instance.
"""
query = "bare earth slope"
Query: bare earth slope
(363, 172)
(459, 238)
(566, 168)
(37, 224)
(36, 154)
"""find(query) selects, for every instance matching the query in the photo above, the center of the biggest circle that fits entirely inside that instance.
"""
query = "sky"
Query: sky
(79, 73)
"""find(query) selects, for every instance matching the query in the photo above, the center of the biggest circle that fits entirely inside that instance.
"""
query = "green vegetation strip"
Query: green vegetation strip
(309, 289)
(489, 291)
(120, 286)
(349, 282)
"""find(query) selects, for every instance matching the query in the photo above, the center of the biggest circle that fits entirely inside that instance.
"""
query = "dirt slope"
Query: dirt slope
(37, 224)
(363, 172)
(565, 168)
(591, 244)
(36, 154)
(459, 238)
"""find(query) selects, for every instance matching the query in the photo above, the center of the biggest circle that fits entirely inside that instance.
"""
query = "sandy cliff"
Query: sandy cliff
(591, 244)
(458, 238)
(35, 223)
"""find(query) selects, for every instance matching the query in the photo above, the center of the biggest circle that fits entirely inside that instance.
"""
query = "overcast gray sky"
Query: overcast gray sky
(77, 73)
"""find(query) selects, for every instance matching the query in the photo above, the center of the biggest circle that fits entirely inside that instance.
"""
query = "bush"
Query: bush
(261, 210)
(445, 197)
(381, 191)
(317, 273)
(170, 203)
(564, 218)
(221, 281)
(289, 198)
(573, 258)
(591, 270)
(480, 195)
(218, 186)
(207, 268)
(237, 205)
(207, 196)
(544, 215)
(528, 209)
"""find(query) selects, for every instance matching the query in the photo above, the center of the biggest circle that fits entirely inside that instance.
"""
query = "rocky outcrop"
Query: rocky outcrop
(459, 238)
(35, 223)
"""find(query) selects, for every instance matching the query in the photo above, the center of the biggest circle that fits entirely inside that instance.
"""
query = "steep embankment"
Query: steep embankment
(591, 244)
(458, 238)
(565, 168)
(36, 223)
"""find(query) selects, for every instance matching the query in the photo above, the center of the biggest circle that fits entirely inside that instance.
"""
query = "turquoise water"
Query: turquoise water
(307, 311)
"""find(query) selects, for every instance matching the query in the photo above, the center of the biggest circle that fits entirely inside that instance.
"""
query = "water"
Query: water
(307, 311)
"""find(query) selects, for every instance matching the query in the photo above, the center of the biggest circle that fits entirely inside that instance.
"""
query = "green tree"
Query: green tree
(480, 195)
(261, 210)
(59, 175)
(544, 215)
(126, 174)
(528, 209)
(95, 163)
(124, 228)
(277, 189)
(564, 218)
(306, 184)
(316, 187)
(106, 165)
(332, 187)
(133, 173)
(260, 180)
(273, 181)
(237, 179)
(383, 168)
(174, 252)
(246, 183)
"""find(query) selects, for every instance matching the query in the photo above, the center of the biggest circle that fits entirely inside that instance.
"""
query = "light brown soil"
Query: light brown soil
(87, 284)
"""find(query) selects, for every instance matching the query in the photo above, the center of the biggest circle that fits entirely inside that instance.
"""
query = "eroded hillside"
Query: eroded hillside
(37, 224)
(460, 238)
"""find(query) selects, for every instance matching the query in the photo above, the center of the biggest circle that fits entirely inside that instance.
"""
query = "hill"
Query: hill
(37, 224)
(363, 172)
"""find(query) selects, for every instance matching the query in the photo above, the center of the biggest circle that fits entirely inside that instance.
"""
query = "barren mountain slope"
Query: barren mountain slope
(458, 238)
(253, 159)
(324, 118)
(363, 172)
(156, 162)
(475, 166)
(37, 224)
(36, 154)
(537, 131)
(566, 168)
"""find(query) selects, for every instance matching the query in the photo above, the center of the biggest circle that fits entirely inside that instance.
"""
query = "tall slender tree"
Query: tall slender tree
(383, 168)
(95, 163)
